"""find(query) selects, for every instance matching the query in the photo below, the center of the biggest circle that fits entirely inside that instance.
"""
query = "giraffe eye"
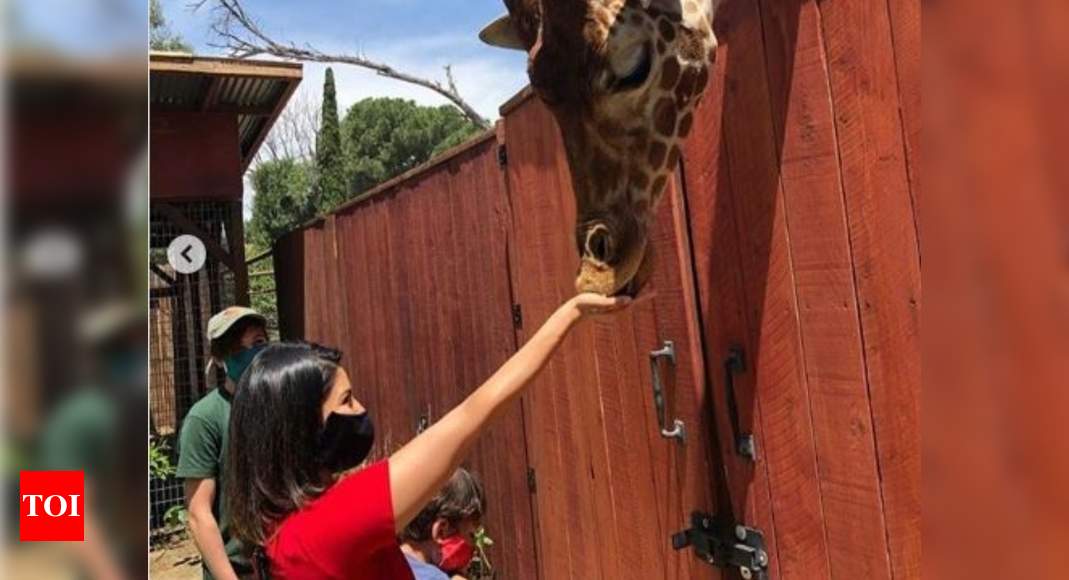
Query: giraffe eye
(636, 76)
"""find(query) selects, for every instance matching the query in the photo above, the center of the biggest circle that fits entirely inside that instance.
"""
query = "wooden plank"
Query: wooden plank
(825, 289)
(554, 445)
(906, 35)
(194, 156)
(884, 246)
(187, 63)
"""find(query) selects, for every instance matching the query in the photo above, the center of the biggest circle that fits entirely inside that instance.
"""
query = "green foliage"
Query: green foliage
(385, 137)
(480, 565)
(262, 289)
(282, 200)
(331, 188)
(176, 516)
(159, 459)
(160, 35)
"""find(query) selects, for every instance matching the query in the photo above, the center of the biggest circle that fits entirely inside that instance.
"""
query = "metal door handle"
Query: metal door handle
(745, 444)
(678, 431)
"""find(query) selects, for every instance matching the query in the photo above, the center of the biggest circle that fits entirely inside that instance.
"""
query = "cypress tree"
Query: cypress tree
(331, 184)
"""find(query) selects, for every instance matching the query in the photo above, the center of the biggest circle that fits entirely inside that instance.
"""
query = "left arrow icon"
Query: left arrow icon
(186, 254)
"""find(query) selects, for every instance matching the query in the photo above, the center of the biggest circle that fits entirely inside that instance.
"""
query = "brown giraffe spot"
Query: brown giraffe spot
(669, 73)
(702, 81)
(668, 32)
(658, 185)
(673, 158)
(664, 117)
(685, 88)
(685, 124)
(657, 152)
(639, 179)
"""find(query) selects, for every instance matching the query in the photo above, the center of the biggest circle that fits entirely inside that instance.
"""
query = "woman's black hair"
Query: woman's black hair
(272, 464)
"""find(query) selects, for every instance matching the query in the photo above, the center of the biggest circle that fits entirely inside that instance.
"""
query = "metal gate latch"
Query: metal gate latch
(725, 545)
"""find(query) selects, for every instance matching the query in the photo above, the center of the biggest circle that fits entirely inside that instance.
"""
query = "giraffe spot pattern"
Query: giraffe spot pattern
(664, 117)
(669, 73)
(673, 157)
(658, 185)
(668, 32)
(639, 179)
(685, 125)
(657, 152)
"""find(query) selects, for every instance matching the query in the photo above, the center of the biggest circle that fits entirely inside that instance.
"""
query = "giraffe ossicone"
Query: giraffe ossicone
(622, 78)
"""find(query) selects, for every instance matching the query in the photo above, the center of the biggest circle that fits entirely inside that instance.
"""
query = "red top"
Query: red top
(346, 533)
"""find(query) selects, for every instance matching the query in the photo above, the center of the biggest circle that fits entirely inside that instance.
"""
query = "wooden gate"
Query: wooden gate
(611, 490)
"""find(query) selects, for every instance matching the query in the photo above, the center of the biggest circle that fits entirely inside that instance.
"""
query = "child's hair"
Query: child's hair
(461, 498)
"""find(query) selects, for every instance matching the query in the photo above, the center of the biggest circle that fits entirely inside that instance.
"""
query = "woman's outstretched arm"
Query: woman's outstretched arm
(420, 468)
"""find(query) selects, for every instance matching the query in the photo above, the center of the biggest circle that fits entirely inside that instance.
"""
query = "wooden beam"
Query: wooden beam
(246, 156)
(211, 97)
(189, 64)
(259, 257)
(162, 274)
(235, 235)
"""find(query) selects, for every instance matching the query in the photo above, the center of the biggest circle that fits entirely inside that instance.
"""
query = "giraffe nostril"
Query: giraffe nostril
(599, 244)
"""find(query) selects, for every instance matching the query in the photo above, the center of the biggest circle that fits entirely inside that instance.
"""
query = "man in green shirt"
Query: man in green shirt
(236, 335)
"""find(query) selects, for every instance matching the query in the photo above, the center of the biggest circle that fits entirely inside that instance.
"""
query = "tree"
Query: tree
(282, 200)
(331, 185)
(241, 36)
(293, 136)
(385, 137)
(160, 35)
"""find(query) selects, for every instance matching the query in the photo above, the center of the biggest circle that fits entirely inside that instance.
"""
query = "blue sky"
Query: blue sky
(418, 36)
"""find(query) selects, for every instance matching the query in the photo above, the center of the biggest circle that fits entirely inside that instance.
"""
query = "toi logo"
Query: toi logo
(51, 506)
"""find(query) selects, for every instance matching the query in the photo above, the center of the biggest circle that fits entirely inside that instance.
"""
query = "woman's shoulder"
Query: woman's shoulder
(350, 523)
(359, 503)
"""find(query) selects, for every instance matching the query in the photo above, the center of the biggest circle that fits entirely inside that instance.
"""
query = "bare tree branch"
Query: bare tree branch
(240, 35)
(293, 135)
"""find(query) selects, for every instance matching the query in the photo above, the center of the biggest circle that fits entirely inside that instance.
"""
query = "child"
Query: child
(438, 543)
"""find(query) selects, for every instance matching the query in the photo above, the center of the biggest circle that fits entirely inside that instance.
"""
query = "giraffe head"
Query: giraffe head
(622, 78)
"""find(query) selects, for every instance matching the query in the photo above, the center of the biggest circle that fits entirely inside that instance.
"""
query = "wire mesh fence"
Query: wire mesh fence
(179, 308)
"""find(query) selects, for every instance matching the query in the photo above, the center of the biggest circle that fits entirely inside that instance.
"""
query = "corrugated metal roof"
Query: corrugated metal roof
(256, 91)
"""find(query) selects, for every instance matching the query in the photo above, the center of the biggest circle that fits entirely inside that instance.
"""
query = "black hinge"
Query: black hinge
(517, 316)
(532, 484)
(724, 544)
(502, 155)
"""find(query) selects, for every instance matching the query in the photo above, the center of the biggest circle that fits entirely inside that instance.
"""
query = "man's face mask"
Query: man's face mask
(237, 363)
(457, 553)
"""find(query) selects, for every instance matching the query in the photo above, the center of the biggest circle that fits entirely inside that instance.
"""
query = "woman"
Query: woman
(295, 423)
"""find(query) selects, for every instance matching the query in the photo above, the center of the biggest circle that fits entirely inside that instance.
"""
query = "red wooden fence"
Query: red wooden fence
(790, 236)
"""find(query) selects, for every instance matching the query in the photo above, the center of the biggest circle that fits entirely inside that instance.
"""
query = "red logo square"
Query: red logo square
(51, 506)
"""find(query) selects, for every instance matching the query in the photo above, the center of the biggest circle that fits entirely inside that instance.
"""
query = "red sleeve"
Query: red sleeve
(346, 527)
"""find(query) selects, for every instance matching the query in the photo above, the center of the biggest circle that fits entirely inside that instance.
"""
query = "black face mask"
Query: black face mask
(346, 441)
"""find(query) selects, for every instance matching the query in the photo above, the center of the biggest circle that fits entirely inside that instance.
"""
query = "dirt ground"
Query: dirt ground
(178, 560)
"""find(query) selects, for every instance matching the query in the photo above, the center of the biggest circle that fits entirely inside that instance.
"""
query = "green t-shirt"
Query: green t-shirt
(202, 455)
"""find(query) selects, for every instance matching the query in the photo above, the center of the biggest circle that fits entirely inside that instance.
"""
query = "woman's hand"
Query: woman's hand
(591, 304)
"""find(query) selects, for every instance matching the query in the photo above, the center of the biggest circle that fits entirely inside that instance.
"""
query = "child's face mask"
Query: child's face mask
(457, 553)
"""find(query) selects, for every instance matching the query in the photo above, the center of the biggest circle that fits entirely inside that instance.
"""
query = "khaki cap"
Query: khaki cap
(221, 322)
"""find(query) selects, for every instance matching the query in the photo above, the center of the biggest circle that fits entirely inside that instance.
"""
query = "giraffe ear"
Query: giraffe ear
(502, 33)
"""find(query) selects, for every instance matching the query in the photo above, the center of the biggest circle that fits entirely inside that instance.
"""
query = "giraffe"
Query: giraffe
(622, 78)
